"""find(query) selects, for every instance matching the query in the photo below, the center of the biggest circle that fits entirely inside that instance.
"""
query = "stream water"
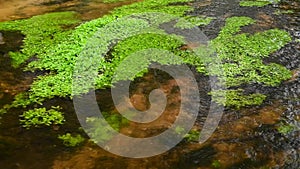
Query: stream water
(246, 138)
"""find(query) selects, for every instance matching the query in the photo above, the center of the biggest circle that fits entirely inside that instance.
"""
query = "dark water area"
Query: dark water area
(245, 139)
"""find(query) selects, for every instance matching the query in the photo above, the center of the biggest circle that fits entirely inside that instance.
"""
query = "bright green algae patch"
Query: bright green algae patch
(258, 3)
(241, 54)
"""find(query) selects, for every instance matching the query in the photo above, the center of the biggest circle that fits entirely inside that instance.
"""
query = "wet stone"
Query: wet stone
(1, 39)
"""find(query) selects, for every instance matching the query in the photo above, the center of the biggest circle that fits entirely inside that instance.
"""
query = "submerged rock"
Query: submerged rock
(295, 75)
(1, 39)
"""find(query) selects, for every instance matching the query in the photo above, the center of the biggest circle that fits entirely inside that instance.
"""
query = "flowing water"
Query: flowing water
(246, 138)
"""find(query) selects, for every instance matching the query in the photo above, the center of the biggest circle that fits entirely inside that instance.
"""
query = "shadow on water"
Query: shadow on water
(246, 138)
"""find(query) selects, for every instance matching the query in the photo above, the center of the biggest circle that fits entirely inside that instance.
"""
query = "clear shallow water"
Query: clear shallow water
(245, 139)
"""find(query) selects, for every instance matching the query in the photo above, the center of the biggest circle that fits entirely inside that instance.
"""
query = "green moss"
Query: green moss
(71, 141)
(258, 3)
(40, 116)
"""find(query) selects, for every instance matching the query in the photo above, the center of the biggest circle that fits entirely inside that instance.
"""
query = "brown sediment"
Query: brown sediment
(17, 9)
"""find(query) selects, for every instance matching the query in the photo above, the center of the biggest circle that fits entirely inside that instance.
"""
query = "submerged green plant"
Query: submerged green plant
(40, 116)
(41, 33)
(71, 141)
(216, 164)
(113, 1)
(192, 135)
(242, 55)
(285, 128)
(236, 98)
(56, 50)
(99, 133)
(193, 21)
(258, 3)
(280, 11)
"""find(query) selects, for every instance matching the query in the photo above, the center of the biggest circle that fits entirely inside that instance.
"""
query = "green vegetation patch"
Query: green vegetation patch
(71, 141)
(193, 21)
(242, 59)
(57, 49)
(41, 117)
(42, 32)
(113, 1)
(258, 3)
(285, 128)
(98, 132)
(236, 98)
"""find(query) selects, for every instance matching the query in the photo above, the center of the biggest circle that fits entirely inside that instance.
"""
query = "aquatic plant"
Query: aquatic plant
(99, 133)
(57, 50)
(192, 135)
(281, 11)
(236, 98)
(242, 54)
(258, 3)
(285, 128)
(193, 22)
(71, 141)
(40, 116)
(58, 54)
(41, 33)
(113, 1)
(216, 164)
